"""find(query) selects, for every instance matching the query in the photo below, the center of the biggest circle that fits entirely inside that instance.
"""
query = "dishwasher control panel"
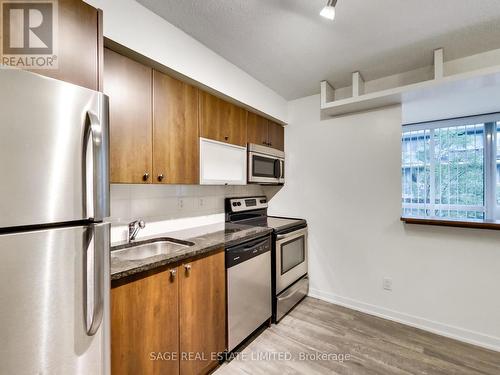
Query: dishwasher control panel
(247, 250)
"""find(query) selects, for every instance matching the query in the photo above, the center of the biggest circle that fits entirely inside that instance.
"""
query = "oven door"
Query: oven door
(263, 168)
(291, 258)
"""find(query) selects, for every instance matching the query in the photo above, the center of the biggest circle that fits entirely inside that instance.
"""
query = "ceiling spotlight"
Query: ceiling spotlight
(329, 10)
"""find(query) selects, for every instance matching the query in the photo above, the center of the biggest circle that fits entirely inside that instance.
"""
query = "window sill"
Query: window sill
(478, 224)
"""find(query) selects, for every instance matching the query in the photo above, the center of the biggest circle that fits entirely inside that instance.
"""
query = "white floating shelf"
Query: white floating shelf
(439, 86)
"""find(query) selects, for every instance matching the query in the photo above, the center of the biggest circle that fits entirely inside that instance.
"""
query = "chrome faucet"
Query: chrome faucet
(133, 228)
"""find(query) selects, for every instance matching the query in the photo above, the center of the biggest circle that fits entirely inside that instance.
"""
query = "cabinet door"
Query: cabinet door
(202, 304)
(80, 44)
(145, 326)
(222, 121)
(257, 129)
(276, 136)
(175, 131)
(128, 85)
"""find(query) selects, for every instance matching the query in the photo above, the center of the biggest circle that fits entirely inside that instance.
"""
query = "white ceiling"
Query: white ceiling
(286, 45)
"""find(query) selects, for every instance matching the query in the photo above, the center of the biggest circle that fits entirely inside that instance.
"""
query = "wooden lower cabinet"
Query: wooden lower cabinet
(145, 325)
(171, 321)
(202, 309)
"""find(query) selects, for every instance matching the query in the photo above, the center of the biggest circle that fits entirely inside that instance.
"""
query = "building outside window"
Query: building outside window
(451, 169)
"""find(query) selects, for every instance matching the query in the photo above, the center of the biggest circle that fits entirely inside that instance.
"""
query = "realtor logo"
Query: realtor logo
(29, 33)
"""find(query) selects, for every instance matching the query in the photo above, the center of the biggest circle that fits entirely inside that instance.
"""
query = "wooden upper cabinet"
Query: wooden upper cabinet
(276, 136)
(202, 304)
(265, 132)
(129, 87)
(222, 121)
(257, 129)
(80, 45)
(145, 320)
(175, 131)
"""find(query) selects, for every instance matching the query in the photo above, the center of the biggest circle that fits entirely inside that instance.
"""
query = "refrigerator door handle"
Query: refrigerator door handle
(94, 279)
(95, 171)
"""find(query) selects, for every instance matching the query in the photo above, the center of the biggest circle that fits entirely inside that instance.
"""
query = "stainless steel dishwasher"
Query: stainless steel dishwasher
(249, 302)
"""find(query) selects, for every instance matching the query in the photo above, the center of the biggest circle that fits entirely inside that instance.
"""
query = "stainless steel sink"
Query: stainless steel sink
(149, 248)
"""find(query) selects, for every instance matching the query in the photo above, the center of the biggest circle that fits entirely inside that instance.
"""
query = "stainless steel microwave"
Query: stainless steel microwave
(266, 165)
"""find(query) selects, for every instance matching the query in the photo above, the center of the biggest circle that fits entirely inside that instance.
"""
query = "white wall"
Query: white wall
(134, 26)
(344, 178)
(453, 101)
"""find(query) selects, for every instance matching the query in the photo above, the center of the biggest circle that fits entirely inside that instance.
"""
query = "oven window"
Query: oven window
(292, 254)
(262, 167)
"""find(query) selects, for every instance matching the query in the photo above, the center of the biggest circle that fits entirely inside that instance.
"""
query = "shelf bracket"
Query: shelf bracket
(438, 63)
(358, 84)
(327, 93)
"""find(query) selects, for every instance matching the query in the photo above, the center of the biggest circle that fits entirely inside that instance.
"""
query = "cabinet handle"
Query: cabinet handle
(226, 138)
(160, 177)
(145, 176)
(173, 272)
(187, 268)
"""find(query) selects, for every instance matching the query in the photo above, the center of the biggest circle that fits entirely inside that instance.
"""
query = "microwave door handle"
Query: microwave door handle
(277, 168)
(282, 169)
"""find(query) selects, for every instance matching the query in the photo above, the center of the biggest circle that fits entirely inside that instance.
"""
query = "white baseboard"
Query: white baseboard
(457, 333)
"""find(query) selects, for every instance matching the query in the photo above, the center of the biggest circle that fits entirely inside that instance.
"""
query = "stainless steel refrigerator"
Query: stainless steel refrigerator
(54, 245)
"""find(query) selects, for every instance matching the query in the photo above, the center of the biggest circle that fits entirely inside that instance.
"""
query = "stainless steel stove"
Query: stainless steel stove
(289, 263)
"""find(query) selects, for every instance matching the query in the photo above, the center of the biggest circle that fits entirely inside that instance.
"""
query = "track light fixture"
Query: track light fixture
(329, 10)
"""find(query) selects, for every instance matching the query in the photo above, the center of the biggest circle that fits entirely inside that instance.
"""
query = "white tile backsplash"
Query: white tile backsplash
(120, 191)
(155, 203)
(119, 232)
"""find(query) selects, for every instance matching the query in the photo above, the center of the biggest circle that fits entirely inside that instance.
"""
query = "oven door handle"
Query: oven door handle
(296, 233)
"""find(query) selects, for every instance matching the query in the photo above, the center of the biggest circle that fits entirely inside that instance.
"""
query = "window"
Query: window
(451, 169)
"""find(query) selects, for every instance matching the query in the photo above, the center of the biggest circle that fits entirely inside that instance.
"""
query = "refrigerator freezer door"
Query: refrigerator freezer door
(54, 301)
(53, 151)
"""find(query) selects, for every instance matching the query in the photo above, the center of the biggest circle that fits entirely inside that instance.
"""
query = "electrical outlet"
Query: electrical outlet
(180, 203)
(387, 284)
(201, 203)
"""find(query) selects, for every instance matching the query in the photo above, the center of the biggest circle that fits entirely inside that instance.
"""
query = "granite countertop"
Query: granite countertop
(205, 239)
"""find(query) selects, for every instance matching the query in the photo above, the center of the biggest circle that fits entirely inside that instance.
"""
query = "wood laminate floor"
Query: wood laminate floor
(370, 345)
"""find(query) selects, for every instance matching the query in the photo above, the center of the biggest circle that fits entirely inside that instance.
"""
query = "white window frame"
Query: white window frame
(491, 208)
(490, 156)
